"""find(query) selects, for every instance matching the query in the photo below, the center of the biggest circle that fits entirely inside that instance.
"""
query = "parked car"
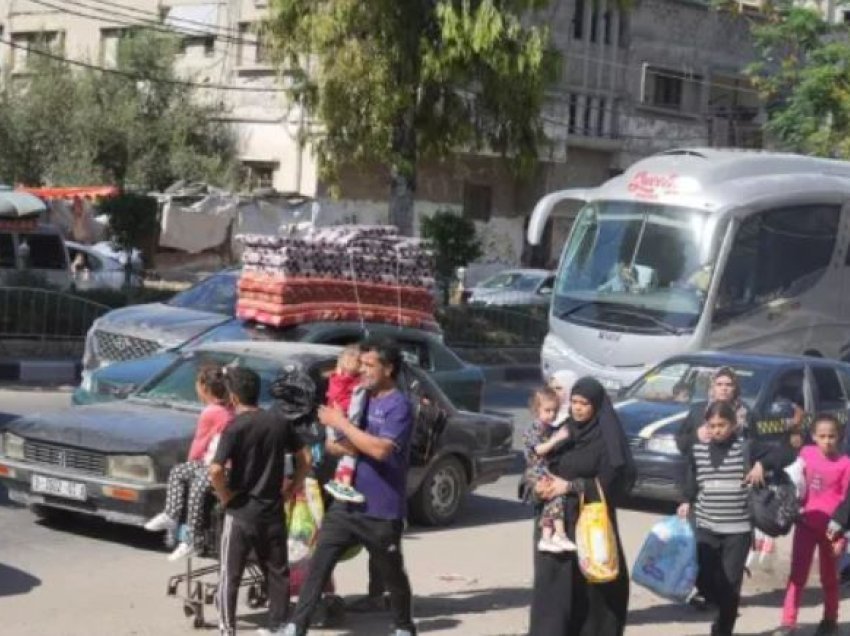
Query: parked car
(136, 331)
(514, 287)
(93, 268)
(112, 460)
(652, 409)
(463, 383)
(39, 252)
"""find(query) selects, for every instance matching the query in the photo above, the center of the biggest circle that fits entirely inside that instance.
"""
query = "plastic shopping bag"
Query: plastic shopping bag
(797, 473)
(667, 562)
(596, 541)
(762, 553)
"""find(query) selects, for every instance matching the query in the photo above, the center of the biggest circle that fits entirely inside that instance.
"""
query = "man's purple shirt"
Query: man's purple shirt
(384, 483)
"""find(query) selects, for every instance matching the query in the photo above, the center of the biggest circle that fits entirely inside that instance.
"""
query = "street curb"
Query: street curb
(512, 373)
(40, 371)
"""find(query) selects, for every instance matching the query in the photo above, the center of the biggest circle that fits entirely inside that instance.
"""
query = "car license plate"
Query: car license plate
(58, 487)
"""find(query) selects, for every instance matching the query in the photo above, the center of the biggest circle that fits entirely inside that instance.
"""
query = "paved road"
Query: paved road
(86, 578)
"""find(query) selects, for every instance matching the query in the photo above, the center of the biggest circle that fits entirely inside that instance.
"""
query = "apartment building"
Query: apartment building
(660, 74)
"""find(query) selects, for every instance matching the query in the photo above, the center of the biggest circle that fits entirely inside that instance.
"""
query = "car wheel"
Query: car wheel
(441, 493)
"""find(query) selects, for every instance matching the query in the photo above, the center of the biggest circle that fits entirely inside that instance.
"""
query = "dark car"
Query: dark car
(652, 409)
(136, 331)
(112, 460)
(463, 383)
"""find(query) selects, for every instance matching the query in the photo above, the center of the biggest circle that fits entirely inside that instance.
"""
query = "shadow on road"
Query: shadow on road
(102, 530)
(14, 581)
(481, 510)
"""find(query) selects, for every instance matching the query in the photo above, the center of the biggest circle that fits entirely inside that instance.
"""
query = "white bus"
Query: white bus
(701, 249)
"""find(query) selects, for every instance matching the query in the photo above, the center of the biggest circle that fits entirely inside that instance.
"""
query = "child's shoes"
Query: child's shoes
(340, 491)
(161, 522)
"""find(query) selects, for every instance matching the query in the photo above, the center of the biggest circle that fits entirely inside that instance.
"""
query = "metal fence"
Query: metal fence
(28, 313)
(503, 327)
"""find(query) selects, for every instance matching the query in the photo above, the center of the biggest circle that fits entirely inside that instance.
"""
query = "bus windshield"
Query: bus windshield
(638, 267)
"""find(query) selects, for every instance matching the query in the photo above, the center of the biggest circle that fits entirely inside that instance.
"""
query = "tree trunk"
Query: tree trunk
(403, 175)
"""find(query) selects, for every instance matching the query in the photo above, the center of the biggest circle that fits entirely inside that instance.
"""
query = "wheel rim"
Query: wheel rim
(445, 491)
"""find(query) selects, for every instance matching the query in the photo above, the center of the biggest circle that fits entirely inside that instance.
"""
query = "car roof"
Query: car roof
(272, 350)
(528, 271)
(765, 359)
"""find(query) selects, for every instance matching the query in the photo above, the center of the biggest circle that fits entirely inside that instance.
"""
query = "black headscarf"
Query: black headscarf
(604, 424)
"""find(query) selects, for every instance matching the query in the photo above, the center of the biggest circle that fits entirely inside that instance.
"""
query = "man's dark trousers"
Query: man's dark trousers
(341, 530)
(268, 540)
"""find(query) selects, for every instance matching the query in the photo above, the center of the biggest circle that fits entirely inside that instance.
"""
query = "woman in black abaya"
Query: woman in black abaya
(563, 602)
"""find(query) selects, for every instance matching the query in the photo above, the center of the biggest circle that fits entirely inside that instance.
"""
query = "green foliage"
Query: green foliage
(83, 127)
(393, 81)
(803, 74)
(454, 242)
(132, 221)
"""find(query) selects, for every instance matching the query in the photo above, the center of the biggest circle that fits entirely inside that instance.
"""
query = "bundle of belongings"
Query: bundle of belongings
(344, 272)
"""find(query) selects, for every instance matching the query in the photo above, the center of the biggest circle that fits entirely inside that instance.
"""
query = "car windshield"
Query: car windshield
(216, 294)
(687, 382)
(635, 266)
(177, 386)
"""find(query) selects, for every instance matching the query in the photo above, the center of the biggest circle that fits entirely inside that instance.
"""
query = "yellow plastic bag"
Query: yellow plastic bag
(596, 541)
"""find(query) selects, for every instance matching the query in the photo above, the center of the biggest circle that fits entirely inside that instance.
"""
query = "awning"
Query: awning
(82, 192)
(18, 205)
(194, 19)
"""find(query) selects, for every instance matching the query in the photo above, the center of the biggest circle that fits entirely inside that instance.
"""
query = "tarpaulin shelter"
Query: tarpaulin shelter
(71, 209)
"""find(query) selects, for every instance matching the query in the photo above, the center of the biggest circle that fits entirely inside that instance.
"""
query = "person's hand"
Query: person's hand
(287, 491)
(550, 487)
(683, 510)
(756, 476)
(703, 434)
(839, 545)
(331, 417)
(561, 434)
(834, 531)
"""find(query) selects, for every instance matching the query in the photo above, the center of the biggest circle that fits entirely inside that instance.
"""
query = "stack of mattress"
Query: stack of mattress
(346, 272)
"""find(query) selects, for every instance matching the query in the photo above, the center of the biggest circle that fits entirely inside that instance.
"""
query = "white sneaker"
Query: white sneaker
(182, 551)
(161, 522)
(563, 541)
(549, 545)
(286, 630)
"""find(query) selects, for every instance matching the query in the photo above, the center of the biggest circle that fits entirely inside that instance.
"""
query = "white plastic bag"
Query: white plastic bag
(797, 473)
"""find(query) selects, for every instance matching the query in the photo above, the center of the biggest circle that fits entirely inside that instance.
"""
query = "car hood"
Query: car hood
(122, 428)
(644, 418)
(136, 372)
(171, 326)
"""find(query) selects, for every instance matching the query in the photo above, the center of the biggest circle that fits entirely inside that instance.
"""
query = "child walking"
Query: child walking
(344, 393)
(716, 486)
(827, 475)
(544, 435)
(191, 478)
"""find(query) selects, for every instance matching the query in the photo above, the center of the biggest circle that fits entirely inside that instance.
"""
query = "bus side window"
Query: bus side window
(777, 253)
(830, 394)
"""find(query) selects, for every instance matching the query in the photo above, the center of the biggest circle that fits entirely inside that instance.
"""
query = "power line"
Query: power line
(141, 78)
(153, 15)
(138, 23)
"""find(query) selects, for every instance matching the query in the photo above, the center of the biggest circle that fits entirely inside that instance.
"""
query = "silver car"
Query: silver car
(514, 287)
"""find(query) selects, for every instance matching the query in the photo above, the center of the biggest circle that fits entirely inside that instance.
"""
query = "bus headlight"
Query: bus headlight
(13, 446)
(134, 467)
(665, 444)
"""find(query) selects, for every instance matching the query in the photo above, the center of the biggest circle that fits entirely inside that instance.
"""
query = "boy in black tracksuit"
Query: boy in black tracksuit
(255, 447)
(716, 487)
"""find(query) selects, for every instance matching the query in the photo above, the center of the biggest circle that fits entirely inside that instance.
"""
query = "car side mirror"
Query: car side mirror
(544, 291)
(781, 409)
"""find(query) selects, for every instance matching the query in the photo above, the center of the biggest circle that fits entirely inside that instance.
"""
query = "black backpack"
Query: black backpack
(774, 507)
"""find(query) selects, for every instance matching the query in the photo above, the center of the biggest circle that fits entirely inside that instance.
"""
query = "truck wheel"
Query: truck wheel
(441, 493)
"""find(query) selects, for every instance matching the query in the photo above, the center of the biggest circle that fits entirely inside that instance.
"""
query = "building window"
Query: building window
(477, 201)
(110, 40)
(258, 174)
(672, 90)
(578, 20)
(846, 16)
(23, 43)
(198, 46)
(253, 48)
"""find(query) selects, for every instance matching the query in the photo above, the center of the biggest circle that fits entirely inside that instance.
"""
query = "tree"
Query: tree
(395, 81)
(143, 129)
(803, 75)
(132, 221)
(454, 242)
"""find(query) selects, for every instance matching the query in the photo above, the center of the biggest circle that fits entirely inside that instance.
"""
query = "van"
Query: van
(29, 249)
